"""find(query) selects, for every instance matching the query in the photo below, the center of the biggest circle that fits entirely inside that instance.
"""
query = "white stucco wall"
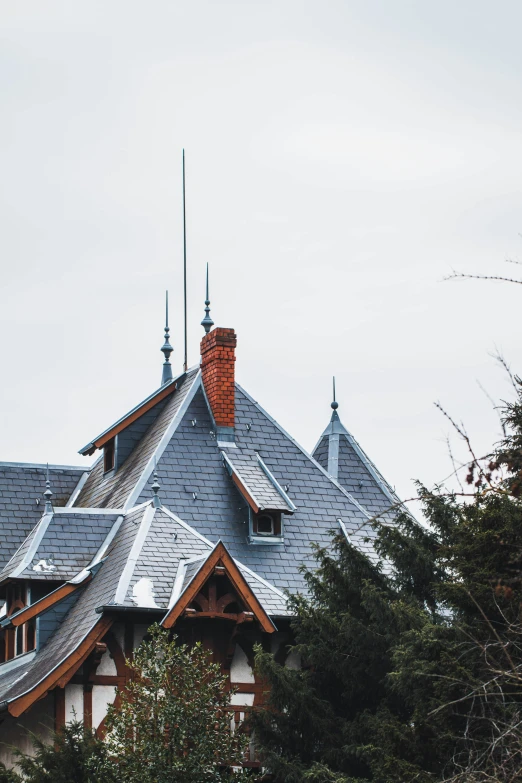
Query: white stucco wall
(107, 665)
(240, 669)
(73, 703)
(102, 696)
(13, 731)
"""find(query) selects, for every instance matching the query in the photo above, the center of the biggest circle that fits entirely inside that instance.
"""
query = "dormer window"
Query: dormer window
(22, 638)
(109, 452)
(266, 527)
(266, 524)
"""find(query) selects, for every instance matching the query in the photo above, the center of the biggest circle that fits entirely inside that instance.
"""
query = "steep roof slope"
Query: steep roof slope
(342, 457)
(196, 486)
(21, 486)
(114, 489)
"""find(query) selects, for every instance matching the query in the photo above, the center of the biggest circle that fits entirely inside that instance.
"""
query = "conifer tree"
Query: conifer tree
(75, 755)
(413, 664)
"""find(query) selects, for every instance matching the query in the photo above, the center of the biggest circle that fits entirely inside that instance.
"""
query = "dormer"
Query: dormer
(267, 500)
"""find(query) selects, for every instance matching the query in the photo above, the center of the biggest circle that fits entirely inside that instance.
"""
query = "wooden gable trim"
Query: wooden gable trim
(63, 673)
(146, 406)
(246, 494)
(220, 556)
(33, 610)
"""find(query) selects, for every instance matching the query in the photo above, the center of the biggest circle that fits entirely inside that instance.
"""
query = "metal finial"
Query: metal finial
(166, 347)
(156, 488)
(335, 404)
(48, 493)
(207, 323)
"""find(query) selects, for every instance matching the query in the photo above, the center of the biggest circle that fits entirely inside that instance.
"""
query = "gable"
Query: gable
(214, 588)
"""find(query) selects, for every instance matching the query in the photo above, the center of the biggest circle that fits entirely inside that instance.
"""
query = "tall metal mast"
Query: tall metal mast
(185, 358)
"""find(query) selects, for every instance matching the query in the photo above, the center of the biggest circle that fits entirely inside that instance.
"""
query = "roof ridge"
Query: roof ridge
(42, 465)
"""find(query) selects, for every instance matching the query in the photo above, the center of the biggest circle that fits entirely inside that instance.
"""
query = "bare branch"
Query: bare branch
(463, 276)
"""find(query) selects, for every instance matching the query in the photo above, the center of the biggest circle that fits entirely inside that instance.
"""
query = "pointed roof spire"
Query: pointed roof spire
(207, 323)
(48, 493)
(334, 404)
(166, 347)
(156, 488)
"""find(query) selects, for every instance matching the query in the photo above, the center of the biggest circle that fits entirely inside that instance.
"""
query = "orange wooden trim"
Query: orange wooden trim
(63, 673)
(162, 393)
(240, 583)
(246, 494)
(107, 679)
(47, 601)
(220, 555)
(117, 656)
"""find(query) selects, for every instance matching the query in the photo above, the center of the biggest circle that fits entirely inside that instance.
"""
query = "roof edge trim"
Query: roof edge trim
(305, 452)
(135, 413)
(26, 699)
(162, 445)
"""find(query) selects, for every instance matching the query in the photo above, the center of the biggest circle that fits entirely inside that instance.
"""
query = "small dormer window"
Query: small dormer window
(266, 525)
(108, 456)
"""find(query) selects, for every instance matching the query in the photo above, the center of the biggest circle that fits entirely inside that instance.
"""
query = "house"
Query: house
(197, 513)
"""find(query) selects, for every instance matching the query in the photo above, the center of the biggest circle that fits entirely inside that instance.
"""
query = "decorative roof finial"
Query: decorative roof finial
(207, 323)
(334, 404)
(156, 488)
(166, 347)
(48, 493)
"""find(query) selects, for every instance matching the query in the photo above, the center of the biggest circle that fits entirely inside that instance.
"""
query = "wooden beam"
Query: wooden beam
(59, 709)
(219, 556)
(246, 494)
(136, 414)
(87, 706)
(63, 673)
(47, 601)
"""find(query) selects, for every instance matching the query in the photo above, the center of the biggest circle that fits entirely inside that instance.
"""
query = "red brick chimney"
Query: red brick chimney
(217, 369)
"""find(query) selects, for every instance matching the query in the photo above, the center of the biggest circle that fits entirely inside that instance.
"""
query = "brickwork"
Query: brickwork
(217, 369)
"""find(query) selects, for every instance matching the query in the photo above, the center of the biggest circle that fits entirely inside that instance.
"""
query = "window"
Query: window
(108, 456)
(21, 639)
(266, 525)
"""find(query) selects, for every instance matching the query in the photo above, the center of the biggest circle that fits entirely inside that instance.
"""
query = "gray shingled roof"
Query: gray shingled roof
(168, 541)
(266, 493)
(21, 485)
(118, 570)
(81, 618)
(70, 541)
(192, 463)
(340, 454)
(114, 490)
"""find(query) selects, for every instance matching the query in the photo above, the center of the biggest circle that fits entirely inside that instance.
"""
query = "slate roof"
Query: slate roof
(192, 463)
(114, 490)
(201, 506)
(70, 541)
(21, 485)
(261, 486)
(340, 454)
(168, 542)
(132, 553)
(81, 618)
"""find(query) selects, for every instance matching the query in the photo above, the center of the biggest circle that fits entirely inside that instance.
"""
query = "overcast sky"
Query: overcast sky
(342, 158)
